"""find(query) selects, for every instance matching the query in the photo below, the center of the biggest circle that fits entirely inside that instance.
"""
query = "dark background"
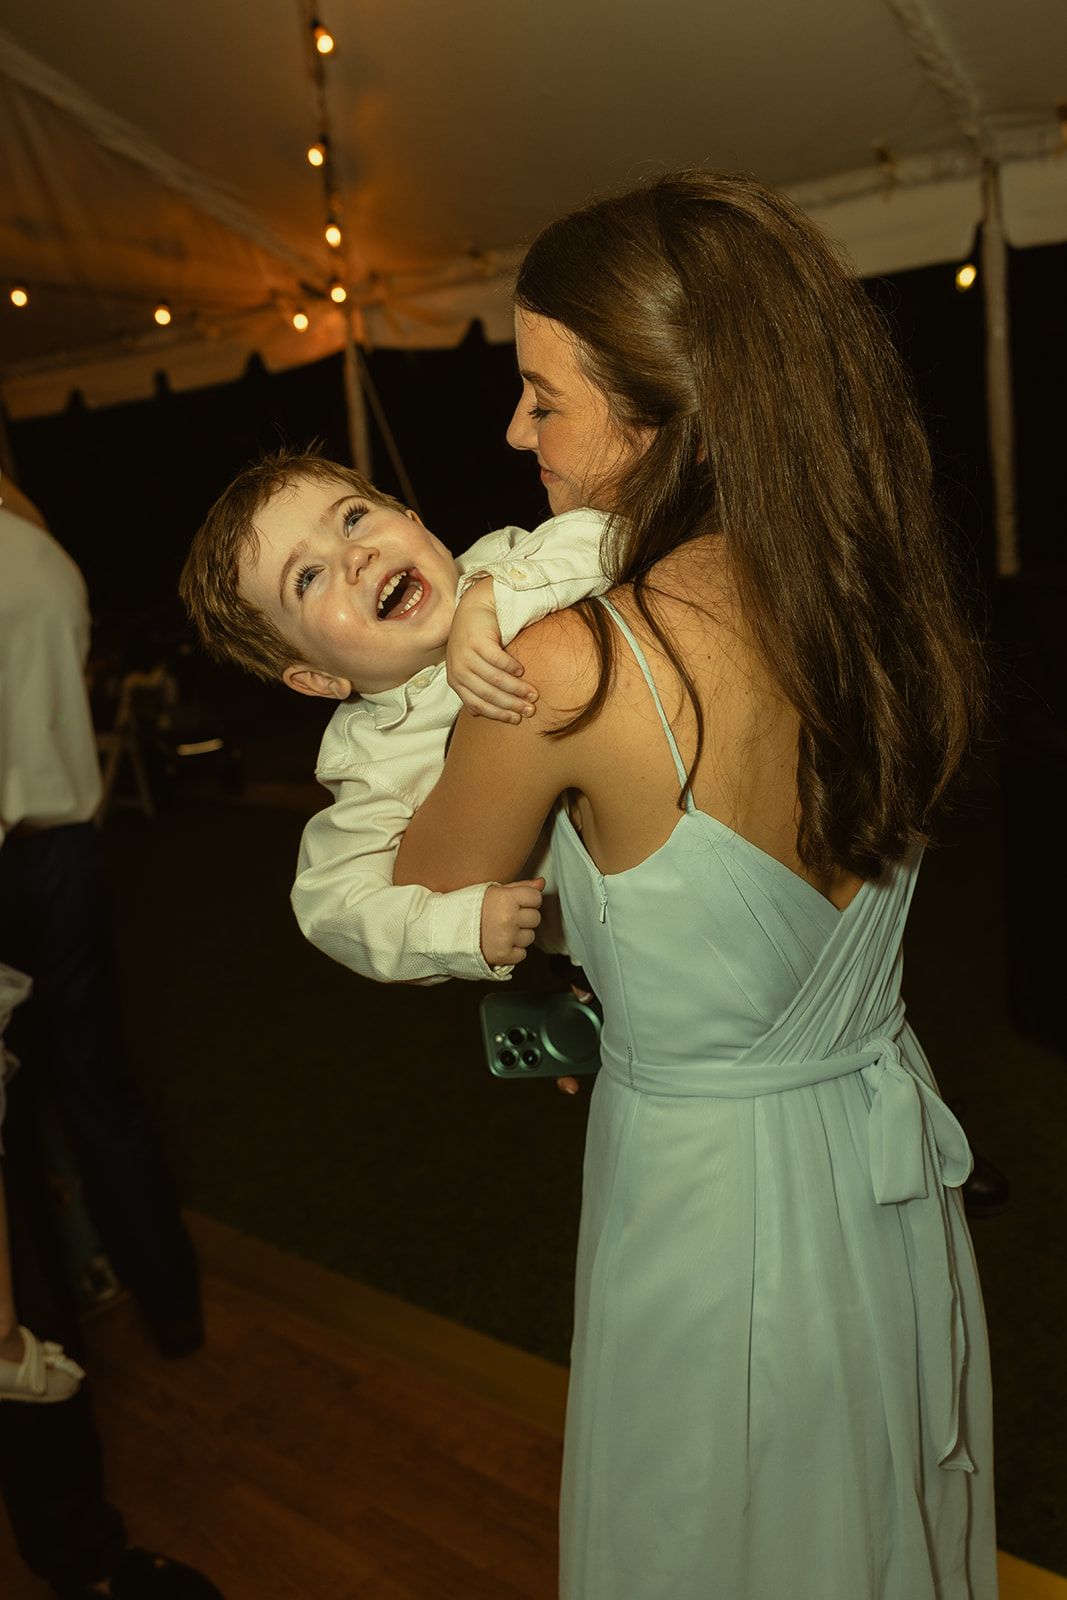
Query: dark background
(125, 487)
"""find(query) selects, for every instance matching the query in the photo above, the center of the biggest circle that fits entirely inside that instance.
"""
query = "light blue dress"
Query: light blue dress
(780, 1378)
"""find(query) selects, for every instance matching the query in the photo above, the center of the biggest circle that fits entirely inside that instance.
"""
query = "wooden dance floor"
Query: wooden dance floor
(329, 1443)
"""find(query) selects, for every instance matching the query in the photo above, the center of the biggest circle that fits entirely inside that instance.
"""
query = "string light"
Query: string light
(300, 321)
(19, 297)
(162, 313)
(966, 277)
(320, 154)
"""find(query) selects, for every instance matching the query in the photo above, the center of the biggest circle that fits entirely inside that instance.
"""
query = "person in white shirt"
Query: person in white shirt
(304, 572)
(55, 927)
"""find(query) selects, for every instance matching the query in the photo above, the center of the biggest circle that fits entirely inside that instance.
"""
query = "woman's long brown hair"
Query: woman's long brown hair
(711, 310)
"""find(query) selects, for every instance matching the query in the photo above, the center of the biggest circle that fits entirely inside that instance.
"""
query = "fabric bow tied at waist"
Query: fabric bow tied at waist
(901, 1100)
(916, 1148)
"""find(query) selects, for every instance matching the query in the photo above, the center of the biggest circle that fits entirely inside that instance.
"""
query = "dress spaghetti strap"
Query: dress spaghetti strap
(628, 634)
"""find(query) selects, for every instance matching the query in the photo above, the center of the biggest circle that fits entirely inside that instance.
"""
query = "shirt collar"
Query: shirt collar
(392, 706)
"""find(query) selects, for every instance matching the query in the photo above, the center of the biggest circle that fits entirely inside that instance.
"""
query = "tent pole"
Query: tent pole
(386, 431)
(1000, 420)
(359, 387)
(356, 408)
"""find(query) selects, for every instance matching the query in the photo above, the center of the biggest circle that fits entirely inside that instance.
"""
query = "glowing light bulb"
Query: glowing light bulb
(162, 313)
(300, 321)
(19, 297)
(338, 292)
(333, 235)
(322, 37)
(966, 276)
(317, 153)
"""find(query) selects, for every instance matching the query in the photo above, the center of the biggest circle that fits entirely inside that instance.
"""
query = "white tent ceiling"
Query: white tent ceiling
(157, 152)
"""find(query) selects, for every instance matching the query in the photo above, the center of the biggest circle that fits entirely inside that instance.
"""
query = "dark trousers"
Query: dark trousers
(51, 1472)
(56, 925)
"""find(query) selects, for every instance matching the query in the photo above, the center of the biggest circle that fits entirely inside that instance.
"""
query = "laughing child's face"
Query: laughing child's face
(364, 594)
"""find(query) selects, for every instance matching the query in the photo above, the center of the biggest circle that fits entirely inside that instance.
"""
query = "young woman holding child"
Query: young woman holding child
(780, 1381)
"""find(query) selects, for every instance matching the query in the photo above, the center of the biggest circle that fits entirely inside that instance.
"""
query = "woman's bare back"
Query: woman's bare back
(746, 775)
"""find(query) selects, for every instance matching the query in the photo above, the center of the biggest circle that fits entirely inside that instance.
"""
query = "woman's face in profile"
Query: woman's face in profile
(565, 420)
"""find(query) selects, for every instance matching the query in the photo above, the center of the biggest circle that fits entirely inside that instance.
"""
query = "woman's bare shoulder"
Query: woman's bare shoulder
(558, 655)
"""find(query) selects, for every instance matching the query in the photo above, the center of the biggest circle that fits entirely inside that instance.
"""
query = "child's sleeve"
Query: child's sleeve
(348, 906)
(535, 573)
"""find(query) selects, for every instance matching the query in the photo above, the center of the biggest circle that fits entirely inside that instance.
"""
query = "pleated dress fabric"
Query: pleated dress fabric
(780, 1379)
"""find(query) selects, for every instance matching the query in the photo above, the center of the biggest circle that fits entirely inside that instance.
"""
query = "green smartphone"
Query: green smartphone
(553, 1035)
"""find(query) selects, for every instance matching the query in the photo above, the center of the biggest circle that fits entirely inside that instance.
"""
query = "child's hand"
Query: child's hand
(511, 913)
(477, 665)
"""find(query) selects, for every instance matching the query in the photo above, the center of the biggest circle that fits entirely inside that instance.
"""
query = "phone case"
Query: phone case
(552, 1035)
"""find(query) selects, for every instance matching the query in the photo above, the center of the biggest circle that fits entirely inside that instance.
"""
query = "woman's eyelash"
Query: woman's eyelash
(539, 413)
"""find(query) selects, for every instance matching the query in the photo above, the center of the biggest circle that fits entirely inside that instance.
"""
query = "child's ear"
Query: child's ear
(414, 515)
(306, 680)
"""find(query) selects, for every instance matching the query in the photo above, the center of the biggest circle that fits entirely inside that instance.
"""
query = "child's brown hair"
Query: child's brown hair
(231, 627)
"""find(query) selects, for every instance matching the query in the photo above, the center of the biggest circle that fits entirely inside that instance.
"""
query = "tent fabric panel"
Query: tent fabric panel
(1034, 201)
(440, 318)
(148, 153)
(191, 363)
(898, 229)
(99, 241)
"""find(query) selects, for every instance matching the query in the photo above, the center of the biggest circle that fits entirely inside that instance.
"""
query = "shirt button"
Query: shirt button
(517, 574)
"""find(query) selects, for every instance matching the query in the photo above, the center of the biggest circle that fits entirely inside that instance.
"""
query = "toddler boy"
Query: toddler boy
(303, 571)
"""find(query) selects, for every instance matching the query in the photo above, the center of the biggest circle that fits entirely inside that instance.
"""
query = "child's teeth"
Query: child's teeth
(390, 588)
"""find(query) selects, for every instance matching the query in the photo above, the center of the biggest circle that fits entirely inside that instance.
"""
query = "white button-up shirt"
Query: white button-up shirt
(49, 766)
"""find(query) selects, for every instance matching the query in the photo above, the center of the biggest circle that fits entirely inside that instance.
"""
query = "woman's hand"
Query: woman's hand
(511, 914)
(570, 1085)
(477, 665)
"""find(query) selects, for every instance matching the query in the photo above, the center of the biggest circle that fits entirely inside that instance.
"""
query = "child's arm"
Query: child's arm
(347, 905)
(511, 579)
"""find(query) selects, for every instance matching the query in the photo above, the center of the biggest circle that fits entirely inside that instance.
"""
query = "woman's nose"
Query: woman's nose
(521, 434)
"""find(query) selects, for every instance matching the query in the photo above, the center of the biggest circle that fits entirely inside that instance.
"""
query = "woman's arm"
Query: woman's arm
(501, 779)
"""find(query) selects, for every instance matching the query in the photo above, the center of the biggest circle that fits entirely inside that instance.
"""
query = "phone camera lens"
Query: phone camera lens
(507, 1059)
(516, 1036)
(531, 1058)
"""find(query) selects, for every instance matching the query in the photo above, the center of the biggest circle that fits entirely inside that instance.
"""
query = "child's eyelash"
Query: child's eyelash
(302, 579)
(353, 514)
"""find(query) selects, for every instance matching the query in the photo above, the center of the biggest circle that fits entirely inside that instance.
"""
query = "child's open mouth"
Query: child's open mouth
(398, 595)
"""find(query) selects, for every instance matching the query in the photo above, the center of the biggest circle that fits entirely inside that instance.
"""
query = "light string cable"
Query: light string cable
(323, 155)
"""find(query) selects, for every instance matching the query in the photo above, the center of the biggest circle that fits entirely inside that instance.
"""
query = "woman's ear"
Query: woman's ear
(306, 680)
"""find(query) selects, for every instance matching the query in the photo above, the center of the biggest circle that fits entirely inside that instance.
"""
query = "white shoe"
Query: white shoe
(43, 1375)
